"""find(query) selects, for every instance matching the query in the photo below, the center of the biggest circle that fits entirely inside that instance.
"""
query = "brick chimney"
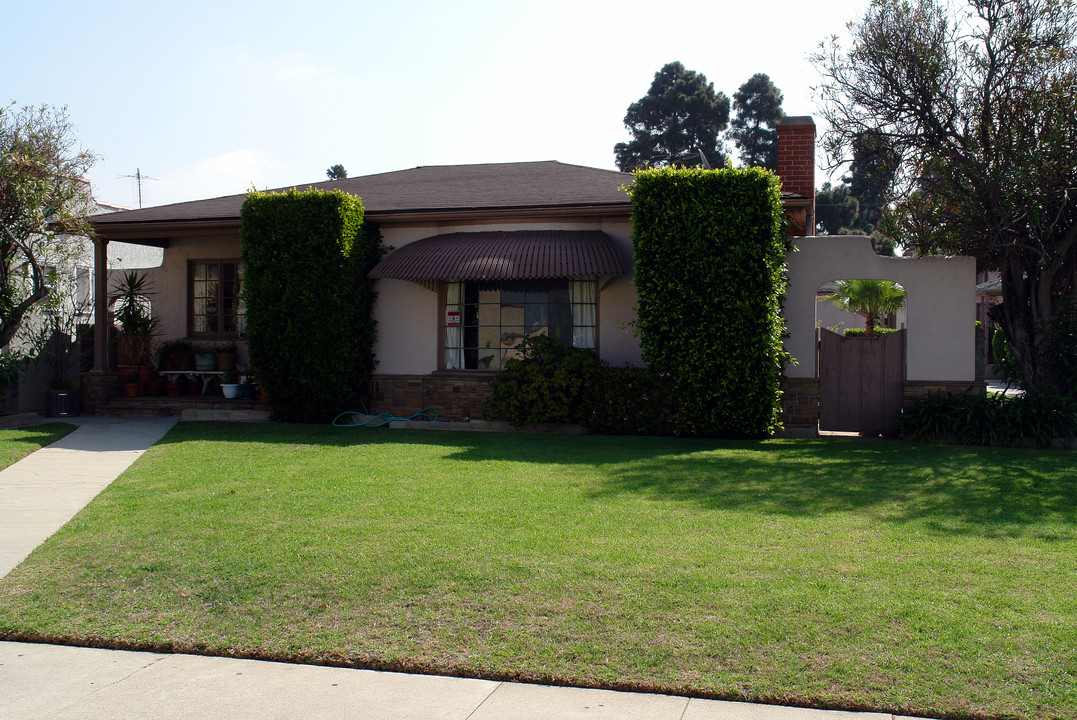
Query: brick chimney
(796, 168)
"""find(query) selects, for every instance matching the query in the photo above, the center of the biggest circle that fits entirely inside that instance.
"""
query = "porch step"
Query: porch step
(201, 407)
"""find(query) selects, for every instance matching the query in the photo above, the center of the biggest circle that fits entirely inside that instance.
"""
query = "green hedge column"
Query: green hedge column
(310, 325)
(710, 273)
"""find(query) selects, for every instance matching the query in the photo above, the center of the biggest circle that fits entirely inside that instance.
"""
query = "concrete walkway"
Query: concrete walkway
(43, 491)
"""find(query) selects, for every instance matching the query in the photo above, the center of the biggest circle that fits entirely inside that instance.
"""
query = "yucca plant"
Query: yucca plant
(138, 327)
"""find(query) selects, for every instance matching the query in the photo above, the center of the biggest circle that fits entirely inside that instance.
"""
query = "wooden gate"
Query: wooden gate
(861, 382)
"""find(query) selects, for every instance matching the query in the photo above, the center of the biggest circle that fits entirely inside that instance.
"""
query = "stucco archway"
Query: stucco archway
(941, 306)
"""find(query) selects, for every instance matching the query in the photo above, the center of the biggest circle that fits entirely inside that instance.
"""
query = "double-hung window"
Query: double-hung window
(215, 307)
(485, 322)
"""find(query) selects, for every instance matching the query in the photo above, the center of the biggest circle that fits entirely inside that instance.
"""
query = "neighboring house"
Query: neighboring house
(988, 294)
(74, 276)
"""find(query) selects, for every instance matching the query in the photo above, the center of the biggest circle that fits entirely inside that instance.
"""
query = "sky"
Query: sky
(213, 98)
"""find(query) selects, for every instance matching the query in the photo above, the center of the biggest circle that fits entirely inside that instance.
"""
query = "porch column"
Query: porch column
(100, 305)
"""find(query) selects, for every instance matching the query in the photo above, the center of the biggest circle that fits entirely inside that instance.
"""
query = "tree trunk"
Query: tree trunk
(1026, 316)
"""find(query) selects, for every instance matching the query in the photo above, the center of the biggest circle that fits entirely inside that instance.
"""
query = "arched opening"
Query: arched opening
(849, 306)
(861, 354)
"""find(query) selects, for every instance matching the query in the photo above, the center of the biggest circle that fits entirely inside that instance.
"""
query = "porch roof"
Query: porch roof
(504, 255)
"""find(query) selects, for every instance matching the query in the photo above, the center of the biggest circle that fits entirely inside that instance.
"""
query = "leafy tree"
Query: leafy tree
(42, 203)
(977, 104)
(836, 210)
(336, 172)
(873, 298)
(679, 116)
(871, 178)
(754, 130)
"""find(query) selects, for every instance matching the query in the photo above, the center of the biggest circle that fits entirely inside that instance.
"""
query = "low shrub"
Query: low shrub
(547, 385)
(1005, 361)
(862, 332)
(556, 383)
(630, 401)
(989, 419)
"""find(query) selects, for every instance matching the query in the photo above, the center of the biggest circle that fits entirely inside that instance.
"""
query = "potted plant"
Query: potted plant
(131, 383)
(205, 360)
(176, 354)
(154, 386)
(138, 327)
(226, 356)
(174, 387)
(230, 383)
(247, 387)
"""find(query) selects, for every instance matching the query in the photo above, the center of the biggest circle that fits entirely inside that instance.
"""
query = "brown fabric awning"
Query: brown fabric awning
(504, 255)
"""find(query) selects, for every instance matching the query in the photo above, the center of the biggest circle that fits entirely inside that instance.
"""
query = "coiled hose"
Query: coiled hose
(351, 418)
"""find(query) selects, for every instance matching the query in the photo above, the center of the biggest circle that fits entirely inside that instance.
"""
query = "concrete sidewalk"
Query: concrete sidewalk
(54, 682)
(43, 491)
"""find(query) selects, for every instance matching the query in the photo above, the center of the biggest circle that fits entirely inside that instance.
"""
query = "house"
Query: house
(482, 256)
(485, 255)
(988, 294)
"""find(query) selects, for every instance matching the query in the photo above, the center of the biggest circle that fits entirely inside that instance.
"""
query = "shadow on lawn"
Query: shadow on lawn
(33, 437)
(951, 489)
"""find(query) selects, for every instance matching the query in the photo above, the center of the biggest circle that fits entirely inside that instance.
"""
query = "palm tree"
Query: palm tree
(874, 298)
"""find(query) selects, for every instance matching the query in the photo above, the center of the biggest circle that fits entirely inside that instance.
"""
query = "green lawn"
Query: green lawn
(921, 579)
(17, 443)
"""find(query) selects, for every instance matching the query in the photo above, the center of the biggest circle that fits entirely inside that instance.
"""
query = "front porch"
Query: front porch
(195, 407)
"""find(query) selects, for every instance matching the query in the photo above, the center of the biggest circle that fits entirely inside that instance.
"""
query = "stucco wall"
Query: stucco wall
(170, 280)
(939, 314)
(940, 310)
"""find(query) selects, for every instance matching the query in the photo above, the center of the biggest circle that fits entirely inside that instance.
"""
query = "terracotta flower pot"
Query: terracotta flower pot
(226, 360)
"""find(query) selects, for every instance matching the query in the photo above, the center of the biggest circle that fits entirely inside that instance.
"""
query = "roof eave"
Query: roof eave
(524, 211)
(156, 232)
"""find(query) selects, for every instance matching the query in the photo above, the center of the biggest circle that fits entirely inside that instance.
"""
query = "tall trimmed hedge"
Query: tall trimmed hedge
(310, 325)
(710, 274)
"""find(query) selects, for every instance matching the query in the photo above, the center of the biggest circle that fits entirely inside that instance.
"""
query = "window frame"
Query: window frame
(442, 349)
(211, 334)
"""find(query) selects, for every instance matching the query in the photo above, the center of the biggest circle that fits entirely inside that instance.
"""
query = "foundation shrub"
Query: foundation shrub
(547, 385)
(709, 274)
(629, 401)
(556, 383)
(987, 419)
(310, 326)
(1062, 350)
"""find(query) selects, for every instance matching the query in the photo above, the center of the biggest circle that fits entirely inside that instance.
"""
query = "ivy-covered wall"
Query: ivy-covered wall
(310, 326)
(710, 273)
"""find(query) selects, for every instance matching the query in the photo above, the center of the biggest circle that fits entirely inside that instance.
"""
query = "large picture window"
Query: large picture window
(216, 303)
(485, 322)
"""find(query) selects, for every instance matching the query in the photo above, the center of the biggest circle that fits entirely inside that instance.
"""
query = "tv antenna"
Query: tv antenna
(139, 177)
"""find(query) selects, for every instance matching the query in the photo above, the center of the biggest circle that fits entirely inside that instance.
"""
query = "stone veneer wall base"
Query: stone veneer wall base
(455, 397)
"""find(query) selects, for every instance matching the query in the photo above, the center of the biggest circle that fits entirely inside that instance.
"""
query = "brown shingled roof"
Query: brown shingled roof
(436, 188)
(504, 255)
